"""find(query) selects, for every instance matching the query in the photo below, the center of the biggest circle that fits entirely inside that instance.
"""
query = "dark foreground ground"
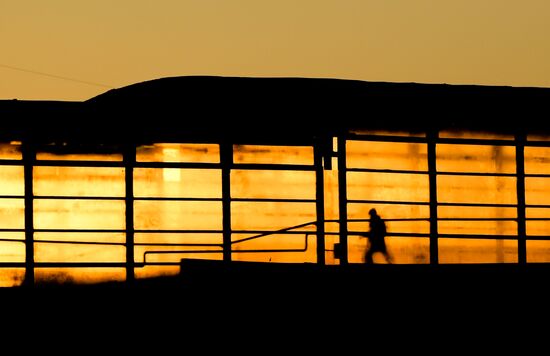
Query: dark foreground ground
(239, 284)
(212, 295)
(404, 305)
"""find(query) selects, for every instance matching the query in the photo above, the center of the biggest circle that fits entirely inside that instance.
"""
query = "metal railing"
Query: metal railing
(226, 166)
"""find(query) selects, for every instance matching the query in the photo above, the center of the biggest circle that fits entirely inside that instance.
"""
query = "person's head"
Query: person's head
(372, 212)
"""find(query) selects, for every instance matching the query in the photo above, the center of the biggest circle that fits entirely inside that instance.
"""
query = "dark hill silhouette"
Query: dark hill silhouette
(257, 105)
(297, 109)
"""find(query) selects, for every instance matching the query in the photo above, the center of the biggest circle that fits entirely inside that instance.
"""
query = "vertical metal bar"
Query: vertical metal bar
(226, 160)
(432, 174)
(343, 200)
(129, 163)
(28, 163)
(320, 201)
(520, 188)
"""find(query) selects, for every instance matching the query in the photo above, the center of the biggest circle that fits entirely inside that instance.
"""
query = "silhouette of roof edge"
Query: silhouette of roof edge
(154, 83)
(166, 85)
(276, 109)
(175, 83)
(341, 103)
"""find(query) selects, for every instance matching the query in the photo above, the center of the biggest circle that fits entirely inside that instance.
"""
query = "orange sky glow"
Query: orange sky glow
(116, 43)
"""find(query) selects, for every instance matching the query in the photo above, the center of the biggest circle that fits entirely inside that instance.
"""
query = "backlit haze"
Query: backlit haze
(116, 43)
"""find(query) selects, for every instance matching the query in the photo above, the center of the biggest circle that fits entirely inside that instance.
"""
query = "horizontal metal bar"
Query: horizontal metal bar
(476, 174)
(444, 219)
(455, 236)
(72, 197)
(63, 197)
(397, 171)
(484, 205)
(176, 199)
(477, 219)
(215, 251)
(396, 234)
(408, 234)
(12, 196)
(281, 200)
(537, 206)
(388, 138)
(253, 200)
(272, 167)
(179, 252)
(182, 165)
(476, 141)
(141, 264)
(401, 219)
(537, 175)
(75, 242)
(79, 264)
(478, 236)
(112, 231)
(176, 253)
(85, 264)
(11, 162)
(12, 240)
(12, 264)
(71, 264)
(362, 201)
(285, 250)
(538, 237)
(480, 174)
(120, 231)
(536, 143)
(175, 244)
(273, 200)
(138, 231)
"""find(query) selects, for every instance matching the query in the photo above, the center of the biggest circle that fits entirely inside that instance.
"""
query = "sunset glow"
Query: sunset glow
(165, 224)
(136, 134)
(113, 44)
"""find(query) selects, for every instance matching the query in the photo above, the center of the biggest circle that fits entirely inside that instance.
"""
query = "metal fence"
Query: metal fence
(433, 212)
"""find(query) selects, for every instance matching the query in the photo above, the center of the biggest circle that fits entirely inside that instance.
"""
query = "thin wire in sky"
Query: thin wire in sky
(56, 76)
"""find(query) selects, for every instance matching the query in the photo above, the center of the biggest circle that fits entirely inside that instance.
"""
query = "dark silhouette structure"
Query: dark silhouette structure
(377, 238)
(298, 112)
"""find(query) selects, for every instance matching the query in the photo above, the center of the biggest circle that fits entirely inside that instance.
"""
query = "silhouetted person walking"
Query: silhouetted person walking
(376, 236)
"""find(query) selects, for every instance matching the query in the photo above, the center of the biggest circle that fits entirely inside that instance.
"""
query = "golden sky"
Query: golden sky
(120, 42)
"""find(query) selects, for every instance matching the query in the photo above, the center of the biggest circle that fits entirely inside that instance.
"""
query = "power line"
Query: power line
(56, 76)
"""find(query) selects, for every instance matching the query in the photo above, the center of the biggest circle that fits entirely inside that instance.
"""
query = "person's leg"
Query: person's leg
(368, 256)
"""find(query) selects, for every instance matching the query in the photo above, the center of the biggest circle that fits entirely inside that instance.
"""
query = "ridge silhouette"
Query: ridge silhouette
(274, 109)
